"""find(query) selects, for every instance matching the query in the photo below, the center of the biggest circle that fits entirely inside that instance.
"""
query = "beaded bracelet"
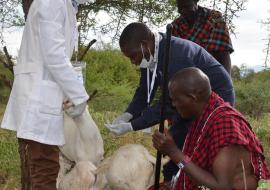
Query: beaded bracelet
(184, 162)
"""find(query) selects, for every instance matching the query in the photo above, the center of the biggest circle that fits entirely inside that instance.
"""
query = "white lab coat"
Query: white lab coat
(43, 74)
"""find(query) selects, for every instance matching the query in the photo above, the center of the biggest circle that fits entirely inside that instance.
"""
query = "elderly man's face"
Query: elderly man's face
(187, 8)
(183, 103)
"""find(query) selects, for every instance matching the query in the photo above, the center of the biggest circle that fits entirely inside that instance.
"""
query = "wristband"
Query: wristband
(184, 162)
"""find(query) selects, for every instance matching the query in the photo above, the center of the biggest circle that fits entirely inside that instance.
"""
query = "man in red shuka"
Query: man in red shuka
(221, 151)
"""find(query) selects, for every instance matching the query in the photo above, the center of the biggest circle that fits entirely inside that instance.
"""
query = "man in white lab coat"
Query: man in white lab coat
(43, 77)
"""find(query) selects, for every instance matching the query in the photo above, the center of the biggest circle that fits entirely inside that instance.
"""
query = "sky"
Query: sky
(248, 42)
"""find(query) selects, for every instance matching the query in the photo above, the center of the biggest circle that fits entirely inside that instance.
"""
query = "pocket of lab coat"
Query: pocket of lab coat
(42, 127)
(51, 98)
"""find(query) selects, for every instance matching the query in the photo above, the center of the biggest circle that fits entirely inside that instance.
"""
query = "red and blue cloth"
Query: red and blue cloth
(224, 128)
(209, 31)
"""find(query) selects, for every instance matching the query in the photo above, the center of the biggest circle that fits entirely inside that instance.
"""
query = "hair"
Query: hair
(134, 34)
(192, 80)
(196, 1)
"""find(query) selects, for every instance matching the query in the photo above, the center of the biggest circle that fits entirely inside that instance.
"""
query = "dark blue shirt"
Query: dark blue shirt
(184, 54)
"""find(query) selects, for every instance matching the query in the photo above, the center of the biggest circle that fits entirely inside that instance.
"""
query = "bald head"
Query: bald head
(134, 34)
(192, 81)
(189, 91)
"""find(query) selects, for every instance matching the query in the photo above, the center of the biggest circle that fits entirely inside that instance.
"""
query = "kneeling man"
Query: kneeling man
(220, 151)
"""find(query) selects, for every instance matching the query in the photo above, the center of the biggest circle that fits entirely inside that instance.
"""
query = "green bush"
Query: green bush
(262, 129)
(6, 78)
(114, 78)
(253, 94)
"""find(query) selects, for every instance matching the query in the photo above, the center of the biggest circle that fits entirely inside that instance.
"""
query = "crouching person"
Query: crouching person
(220, 151)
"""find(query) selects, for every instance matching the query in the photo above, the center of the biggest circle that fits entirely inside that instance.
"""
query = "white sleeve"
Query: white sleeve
(52, 41)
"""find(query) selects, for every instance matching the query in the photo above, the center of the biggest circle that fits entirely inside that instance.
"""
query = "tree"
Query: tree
(266, 23)
(245, 71)
(267, 53)
(230, 10)
(120, 12)
(117, 12)
(153, 12)
(235, 73)
(253, 94)
(9, 15)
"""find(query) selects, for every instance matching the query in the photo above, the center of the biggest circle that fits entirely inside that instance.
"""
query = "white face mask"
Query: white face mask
(144, 63)
(83, 1)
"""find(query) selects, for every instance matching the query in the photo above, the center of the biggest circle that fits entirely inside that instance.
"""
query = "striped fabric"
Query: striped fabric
(209, 31)
(224, 128)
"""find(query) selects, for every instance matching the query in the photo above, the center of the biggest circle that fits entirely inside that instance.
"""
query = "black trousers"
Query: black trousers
(178, 131)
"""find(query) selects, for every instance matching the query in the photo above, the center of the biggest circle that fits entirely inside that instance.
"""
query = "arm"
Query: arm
(223, 58)
(143, 115)
(139, 101)
(151, 116)
(224, 166)
(220, 33)
(53, 50)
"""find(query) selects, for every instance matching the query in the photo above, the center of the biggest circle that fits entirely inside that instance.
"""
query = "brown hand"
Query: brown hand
(164, 143)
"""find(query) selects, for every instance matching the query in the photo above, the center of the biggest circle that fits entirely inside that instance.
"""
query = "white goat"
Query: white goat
(131, 167)
(83, 139)
(81, 177)
(83, 143)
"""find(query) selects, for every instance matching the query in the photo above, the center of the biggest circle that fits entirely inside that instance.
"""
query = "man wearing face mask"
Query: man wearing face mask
(43, 77)
(147, 49)
(204, 27)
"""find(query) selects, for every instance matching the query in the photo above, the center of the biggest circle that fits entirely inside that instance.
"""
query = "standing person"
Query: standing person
(221, 151)
(146, 50)
(43, 77)
(205, 27)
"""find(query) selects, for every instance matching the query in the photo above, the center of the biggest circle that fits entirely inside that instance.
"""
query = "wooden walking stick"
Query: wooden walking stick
(163, 100)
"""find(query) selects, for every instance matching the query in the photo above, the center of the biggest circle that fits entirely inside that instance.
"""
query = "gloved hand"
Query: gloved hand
(77, 110)
(124, 118)
(119, 129)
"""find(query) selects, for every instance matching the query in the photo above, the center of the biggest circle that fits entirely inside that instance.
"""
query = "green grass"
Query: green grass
(9, 159)
(115, 80)
(262, 129)
(264, 185)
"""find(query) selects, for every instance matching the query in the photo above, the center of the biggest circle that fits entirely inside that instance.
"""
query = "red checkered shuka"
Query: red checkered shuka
(209, 31)
(226, 126)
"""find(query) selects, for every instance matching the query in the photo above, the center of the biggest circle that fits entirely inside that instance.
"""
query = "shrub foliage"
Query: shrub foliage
(253, 94)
